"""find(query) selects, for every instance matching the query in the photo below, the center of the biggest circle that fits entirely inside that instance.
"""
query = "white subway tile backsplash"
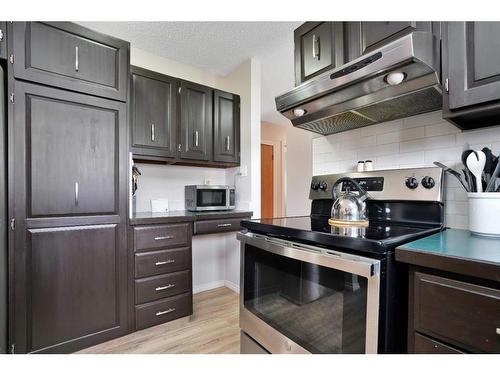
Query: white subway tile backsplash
(422, 120)
(428, 143)
(411, 142)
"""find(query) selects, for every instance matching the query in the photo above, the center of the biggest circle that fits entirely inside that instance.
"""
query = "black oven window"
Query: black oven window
(321, 309)
(211, 197)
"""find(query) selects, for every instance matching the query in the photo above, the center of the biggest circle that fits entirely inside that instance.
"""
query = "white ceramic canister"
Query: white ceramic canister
(484, 209)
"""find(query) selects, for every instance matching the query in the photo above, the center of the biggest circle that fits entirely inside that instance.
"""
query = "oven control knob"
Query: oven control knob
(411, 183)
(323, 185)
(428, 182)
(315, 185)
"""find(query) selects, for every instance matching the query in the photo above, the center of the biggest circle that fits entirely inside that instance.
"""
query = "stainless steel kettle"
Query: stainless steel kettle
(349, 207)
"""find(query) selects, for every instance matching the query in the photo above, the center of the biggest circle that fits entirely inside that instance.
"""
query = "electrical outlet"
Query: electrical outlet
(243, 170)
(207, 181)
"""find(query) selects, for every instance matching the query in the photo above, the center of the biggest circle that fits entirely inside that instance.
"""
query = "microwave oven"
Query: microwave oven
(209, 197)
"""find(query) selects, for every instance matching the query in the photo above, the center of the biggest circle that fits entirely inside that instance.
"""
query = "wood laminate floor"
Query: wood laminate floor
(213, 328)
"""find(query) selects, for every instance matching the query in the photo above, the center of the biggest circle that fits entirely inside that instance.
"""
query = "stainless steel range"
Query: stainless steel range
(311, 287)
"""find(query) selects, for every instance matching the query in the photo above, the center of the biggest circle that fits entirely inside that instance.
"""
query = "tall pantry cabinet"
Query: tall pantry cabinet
(68, 88)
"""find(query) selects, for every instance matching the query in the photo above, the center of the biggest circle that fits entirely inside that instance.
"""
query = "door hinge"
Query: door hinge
(11, 58)
(11, 97)
(13, 349)
(13, 224)
(446, 85)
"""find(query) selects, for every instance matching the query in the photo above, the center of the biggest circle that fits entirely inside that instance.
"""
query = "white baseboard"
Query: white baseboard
(216, 284)
(203, 287)
(234, 287)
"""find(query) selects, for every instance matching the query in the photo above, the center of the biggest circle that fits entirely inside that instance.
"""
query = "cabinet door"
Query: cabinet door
(226, 127)
(473, 60)
(75, 292)
(153, 113)
(374, 34)
(196, 121)
(72, 148)
(318, 48)
(3, 39)
(72, 57)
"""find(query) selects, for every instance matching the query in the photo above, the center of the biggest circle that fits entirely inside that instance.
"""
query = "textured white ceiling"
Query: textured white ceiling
(219, 47)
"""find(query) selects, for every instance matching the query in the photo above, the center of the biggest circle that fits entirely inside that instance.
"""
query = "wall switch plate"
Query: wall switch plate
(243, 171)
(159, 205)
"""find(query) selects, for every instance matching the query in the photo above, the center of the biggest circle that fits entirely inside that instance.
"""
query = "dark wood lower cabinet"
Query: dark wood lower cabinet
(161, 278)
(449, 315)
(75, 294)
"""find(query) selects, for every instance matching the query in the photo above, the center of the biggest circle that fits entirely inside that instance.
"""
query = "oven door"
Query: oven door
(211, 198)
(298, 298)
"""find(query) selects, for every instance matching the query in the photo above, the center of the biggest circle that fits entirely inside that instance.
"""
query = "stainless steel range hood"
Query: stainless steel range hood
(358, 94)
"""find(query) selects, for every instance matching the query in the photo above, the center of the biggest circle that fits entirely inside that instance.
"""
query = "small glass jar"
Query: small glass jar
(368, 165)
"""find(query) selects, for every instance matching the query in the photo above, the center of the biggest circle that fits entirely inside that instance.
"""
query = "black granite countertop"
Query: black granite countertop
(180, 216)
(457, 251)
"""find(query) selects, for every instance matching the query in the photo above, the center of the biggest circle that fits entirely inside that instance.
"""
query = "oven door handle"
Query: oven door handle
(350, 263)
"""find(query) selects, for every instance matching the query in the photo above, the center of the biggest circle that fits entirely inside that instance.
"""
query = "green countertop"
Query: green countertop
(455, 250)
(139, 218)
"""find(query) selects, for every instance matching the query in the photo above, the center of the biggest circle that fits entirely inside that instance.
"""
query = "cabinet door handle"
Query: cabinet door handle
(152, 132)
(196, 138)
(227, 143)
(161, 263)
(172, 309)
(160, 288)
(498, 331)
(315, 47)
(76, 59)
(163, 238)
(224, 225)
(76, 193)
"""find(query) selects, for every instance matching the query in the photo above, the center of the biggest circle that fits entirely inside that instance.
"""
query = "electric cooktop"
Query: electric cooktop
(378, 236)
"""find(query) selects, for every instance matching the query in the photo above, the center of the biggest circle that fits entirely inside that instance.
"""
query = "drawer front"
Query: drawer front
(163, 286)
(425, 345)
(162, 261)
(162, 311)
(161, 236)
(71, 56)
(217, 226)
(462, 314)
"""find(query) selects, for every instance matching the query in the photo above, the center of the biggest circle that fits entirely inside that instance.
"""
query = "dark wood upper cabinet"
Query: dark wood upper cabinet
(3, 40)
(318, 48)
(226, 127)
(471, 64)
(154, 126)
(72, 165)
(363, 37)
(195, 121)
(72, 57)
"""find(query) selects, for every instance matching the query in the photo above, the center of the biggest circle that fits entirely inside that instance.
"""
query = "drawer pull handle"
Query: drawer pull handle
(196, 138)
(224, 225)
(164, 287)
(152, 132)
(163, 238)
(159, 313)
(77, 63)
(227, 143)
(161, 263)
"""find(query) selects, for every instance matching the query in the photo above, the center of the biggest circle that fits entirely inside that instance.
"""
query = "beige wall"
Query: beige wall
(295, 167)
